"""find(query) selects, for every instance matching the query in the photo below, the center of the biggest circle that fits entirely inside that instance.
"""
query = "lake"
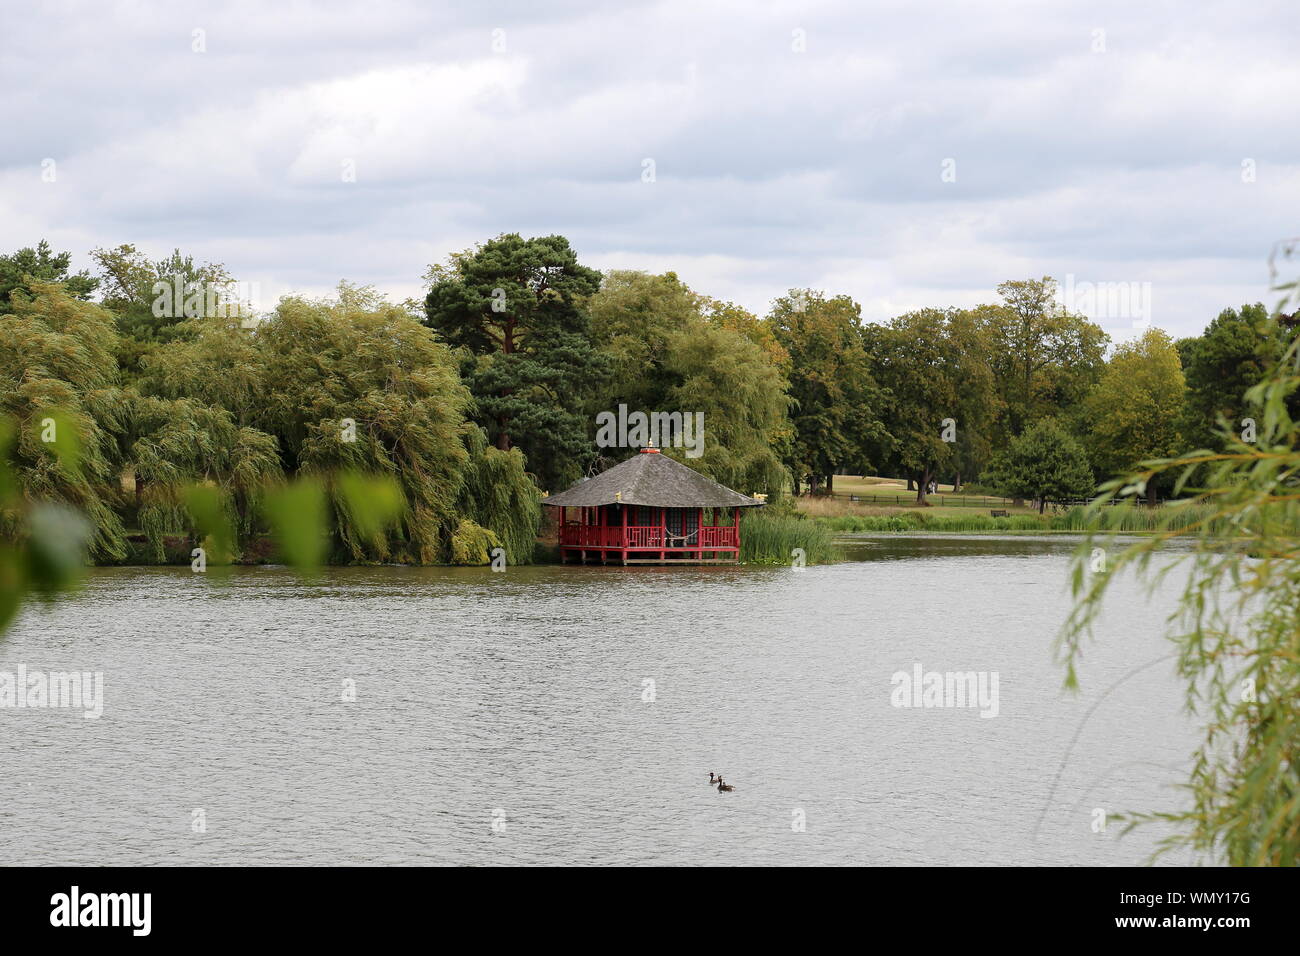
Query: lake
(571, 715)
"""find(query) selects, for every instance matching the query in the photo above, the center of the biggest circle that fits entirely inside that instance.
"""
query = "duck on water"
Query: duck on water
(717, 782)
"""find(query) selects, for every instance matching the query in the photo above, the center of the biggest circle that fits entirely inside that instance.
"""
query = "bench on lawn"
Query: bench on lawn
(1000, 514)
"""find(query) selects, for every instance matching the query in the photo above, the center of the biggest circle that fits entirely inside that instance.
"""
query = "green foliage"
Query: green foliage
(514, 307)
(836, 406)
(471, 544)
(339, 385)
(1236, 628)
(212, 522)
(43, 545)
(143, 296)
(1044, 463)
(298, 518)
(372, 504)
(497, 495)
(171, 443)
(1231, 356)
(227, 412)
(934, 366)
(772, 539)
(742, 396)
(1133, 410)
(57, 373)
(18, 269)
(352, 391)
(674, 350)
(635, 317)
(374, 365)
(1044, 358)
(1124, 518)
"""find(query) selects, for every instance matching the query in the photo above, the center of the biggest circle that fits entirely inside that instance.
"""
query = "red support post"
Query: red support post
(663, 533)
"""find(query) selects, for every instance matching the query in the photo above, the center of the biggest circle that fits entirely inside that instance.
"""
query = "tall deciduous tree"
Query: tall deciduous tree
(836, 411)
(1045, 358)
(1133, 411)
(514, 307)
(734, 318)
(933, 368)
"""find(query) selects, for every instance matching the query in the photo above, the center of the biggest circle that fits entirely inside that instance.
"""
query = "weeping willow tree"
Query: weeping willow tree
(498, 498)
(1237, 627)
(216, 361)
(43, 544)
(58, 375)
(350, 392)
(178, 443)
(354, 386)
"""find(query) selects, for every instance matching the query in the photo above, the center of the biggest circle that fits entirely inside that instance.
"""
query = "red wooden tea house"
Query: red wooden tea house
(650, 509)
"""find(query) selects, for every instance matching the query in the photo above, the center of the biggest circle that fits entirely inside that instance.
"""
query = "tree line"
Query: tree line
(486, 393)
(1020, 393)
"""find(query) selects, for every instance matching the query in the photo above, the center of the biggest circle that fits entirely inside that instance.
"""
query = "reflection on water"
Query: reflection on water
(526, 693)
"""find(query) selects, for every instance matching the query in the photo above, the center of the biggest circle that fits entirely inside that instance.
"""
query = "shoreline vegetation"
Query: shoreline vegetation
(160, 428)
(1123, 519)
(766, 539)
(783, 536)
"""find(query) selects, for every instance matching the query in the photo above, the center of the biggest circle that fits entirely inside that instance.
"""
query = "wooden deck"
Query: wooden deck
(649, 544)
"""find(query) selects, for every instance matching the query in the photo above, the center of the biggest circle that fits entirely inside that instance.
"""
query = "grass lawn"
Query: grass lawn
(890, 495)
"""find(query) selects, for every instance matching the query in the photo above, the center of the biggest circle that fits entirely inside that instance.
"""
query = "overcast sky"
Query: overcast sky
(908, 154)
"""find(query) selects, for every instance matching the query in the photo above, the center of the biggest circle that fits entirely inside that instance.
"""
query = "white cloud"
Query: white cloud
(774, 168)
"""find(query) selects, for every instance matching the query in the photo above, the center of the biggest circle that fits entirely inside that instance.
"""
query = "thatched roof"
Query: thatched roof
(654, 480)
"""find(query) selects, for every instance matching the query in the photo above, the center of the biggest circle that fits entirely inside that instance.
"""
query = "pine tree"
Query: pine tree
(514, 309)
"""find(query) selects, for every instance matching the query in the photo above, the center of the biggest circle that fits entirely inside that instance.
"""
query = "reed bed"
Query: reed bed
(772, 539)
(1131, 519)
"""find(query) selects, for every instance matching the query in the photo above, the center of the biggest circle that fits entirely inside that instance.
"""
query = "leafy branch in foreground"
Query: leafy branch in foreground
(1236, 628)
(42, 544)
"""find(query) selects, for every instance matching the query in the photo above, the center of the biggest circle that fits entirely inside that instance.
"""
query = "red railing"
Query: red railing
(650, 537)
(722, 537)
(591, 536)
(644, 536)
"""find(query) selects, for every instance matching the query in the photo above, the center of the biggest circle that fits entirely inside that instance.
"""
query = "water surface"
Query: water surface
(522, 698)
